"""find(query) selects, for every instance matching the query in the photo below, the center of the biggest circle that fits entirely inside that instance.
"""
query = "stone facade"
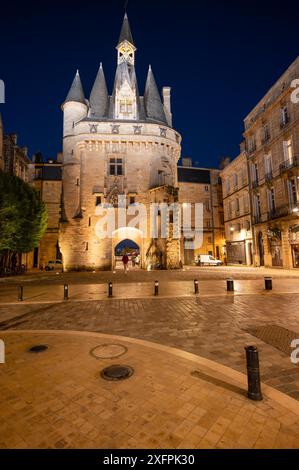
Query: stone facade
(47, 182)
(272, 144)
(203, 185)
(237, 211)
(16, 159)
(116, 145)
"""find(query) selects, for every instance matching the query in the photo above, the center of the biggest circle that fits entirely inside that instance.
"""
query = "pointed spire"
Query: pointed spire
(99, 95)
(125, 33)
(152, 100)
(76, 92)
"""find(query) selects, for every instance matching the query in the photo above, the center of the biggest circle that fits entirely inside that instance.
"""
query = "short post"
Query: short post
(21, 292)
(253, 373)
(268, 283)
(195, 286)
(110, 289)
(65, 292)
(156, 287)
(230, 285)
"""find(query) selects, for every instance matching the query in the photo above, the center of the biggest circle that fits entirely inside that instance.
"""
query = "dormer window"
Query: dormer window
(126, 106)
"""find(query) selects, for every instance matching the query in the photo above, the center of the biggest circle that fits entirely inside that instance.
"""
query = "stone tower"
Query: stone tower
(121, 144)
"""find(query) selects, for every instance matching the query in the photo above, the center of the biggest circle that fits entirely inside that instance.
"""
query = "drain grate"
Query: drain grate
(117, 372)
(38, 348)
(108, 351)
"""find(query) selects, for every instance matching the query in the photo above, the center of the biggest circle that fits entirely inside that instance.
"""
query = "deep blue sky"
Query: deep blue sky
(219, 58)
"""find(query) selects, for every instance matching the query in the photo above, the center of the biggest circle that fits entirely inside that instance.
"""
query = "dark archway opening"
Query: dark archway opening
(129, 248)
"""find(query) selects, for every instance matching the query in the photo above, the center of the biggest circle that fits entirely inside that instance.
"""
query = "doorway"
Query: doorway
(260, 244)
(127, 240)
(131, 249)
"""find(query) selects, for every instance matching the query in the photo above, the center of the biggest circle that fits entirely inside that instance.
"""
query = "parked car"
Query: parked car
(209, 260)
(56, 264)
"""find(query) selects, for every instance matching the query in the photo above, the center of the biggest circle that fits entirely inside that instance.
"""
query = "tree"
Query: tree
(23, 219)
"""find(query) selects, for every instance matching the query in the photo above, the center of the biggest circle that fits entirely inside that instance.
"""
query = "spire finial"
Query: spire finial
(125, 34)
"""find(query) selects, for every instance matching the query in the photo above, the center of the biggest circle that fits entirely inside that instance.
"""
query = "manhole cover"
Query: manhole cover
(38, 348)
(117, 372)
(108, 351)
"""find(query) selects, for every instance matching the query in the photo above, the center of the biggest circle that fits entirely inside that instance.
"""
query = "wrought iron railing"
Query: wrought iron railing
(288, 164)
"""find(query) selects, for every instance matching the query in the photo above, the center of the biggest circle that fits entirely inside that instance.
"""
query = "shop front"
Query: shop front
(275, 244)
(236, 253)
(294, 242)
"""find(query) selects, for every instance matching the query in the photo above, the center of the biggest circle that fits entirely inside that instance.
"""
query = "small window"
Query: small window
(77, 181)
(116, 167)
(125, 106)
(235, 180)
(86, 246)
(98, 200)
(171, 217)
(206, 188)
(284, 116)
(132, 199)
(89, 221)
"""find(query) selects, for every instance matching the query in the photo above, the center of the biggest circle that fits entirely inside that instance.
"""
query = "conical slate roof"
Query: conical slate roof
(152, 100)
(76, 92)
(98, 100)
(125, 33)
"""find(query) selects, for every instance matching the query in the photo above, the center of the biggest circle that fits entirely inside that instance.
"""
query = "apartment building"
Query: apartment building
(48, 183)
(272, 146)
(237, 213)
(203, 185)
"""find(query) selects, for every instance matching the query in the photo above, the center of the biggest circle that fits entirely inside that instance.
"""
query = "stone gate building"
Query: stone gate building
(121, 144)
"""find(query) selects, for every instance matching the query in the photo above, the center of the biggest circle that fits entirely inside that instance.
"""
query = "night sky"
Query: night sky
(219, 58)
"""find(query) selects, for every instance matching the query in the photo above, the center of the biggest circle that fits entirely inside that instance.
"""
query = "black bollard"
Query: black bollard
(110, 289)
(156, 287)
(66, 292)
(268, 283)
(195, 286)
(253, 373)
(230, 285)
(20, 298)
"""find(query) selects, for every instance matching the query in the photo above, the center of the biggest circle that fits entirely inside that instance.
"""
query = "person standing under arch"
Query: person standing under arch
(125, 260)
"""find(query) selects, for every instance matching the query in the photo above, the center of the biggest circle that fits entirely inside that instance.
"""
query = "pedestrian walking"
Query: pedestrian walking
(125, 260)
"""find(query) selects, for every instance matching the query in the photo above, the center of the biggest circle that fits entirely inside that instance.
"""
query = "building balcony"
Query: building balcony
(283, 211)
(266, 139)
(288, 164)
(252, 149)
(268, 176)
(257, 219)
